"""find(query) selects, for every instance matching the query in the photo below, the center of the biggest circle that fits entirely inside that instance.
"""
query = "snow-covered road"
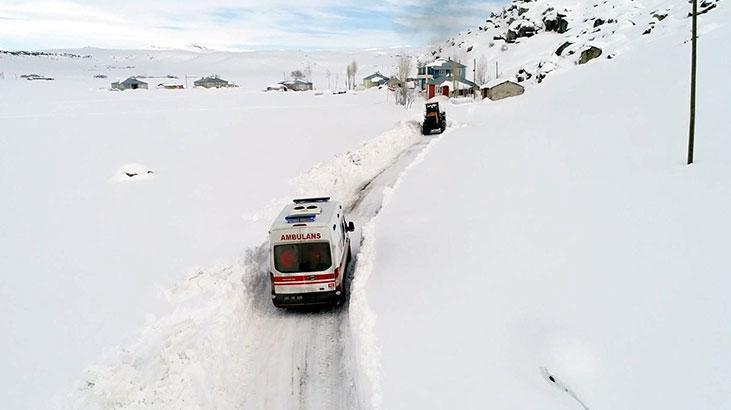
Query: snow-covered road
(301, 359)
(227, 346)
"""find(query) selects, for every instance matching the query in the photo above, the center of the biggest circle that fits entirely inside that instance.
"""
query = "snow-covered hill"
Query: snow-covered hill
(528, 40)
(547, 251)
(559, 242)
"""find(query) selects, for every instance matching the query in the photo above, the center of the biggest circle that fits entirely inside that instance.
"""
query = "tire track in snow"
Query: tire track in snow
(320, 375)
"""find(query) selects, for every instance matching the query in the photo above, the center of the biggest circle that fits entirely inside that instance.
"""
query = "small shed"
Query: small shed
(297, 85)
(276, 87)
(132, 83)
(374, 80)
(499, 89)
(171, 85)
(212, 82)
(463, 88)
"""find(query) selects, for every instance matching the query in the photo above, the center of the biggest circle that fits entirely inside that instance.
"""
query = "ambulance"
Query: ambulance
(309, 252)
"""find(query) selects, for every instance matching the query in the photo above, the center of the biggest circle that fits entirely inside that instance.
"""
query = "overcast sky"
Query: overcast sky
(230, 24)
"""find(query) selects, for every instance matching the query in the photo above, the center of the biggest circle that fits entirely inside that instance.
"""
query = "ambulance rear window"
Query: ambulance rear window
(302, 257)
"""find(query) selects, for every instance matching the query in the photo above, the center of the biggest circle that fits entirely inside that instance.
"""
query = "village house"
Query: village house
(433, 78)
(393, 83)
(500, 88)
(374, 80)
(171, 85)
(213, 81)
(276, 87)
(297, 85)
(34, 77)
(131, 83)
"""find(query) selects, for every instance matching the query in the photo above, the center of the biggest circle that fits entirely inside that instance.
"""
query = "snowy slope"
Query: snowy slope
(560, 234)
(530, 55)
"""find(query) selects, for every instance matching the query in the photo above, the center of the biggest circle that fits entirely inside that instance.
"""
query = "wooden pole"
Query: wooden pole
(474, 78)
(691, 133)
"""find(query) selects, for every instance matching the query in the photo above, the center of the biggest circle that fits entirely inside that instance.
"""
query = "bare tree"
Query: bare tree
(297, 74)
(355, 70)
(328, 74)
(349, 74)
(455, 76)
(351, 70)
(403, 93)
(308, 72)
(481, 71)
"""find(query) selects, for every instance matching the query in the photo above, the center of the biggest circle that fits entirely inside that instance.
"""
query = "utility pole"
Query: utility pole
(474, 78)
(497, 71)
(691, 133)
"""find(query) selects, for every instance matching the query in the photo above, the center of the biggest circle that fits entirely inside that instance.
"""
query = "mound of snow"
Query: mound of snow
(133, 172)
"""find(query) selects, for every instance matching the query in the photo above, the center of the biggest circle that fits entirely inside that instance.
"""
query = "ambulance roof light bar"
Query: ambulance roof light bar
(307, 200)
(300, 218)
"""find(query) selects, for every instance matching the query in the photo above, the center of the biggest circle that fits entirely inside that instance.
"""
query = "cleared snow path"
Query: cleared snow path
(300, 359)
(227, 346)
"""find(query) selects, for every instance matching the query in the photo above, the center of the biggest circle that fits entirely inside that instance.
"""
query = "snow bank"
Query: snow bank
(133, 172)
(366, 350)
(189, 357)
(347, 173)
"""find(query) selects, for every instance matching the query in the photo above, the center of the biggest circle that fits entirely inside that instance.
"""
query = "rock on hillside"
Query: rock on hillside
(529, 39)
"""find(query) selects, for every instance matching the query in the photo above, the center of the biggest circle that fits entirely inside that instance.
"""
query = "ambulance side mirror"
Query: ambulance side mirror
(351, 226)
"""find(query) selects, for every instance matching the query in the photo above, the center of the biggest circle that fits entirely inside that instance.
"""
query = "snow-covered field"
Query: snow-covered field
(89, 252)
(547, 251)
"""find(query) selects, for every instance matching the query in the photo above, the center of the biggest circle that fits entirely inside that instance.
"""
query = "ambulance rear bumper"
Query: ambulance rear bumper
(305, 299)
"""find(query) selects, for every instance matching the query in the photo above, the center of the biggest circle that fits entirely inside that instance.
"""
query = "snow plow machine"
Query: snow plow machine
(434, 120)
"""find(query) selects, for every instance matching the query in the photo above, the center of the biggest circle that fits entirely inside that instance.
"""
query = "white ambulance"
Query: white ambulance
(309, 252)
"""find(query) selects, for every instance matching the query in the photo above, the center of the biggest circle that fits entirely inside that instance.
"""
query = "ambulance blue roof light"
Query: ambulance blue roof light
(300, 218)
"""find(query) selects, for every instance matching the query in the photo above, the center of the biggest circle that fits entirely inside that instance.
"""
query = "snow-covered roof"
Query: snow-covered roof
(440, 62)
(132, 80)
(295, 81)
(169, 83)
(497, 82)
(375, 75)
(443, 79)
(213, 79)
(321, 211)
